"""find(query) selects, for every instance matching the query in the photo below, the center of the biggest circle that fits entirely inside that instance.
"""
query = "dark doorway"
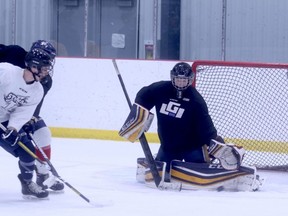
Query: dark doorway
(170, 29)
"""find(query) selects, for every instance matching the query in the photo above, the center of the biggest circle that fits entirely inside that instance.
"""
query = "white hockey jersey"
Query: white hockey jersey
(18, 100)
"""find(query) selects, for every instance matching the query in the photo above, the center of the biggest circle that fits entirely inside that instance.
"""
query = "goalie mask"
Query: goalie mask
(181, 77)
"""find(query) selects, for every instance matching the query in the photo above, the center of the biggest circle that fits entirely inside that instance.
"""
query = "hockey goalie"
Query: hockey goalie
(223, 171)
(191, 151)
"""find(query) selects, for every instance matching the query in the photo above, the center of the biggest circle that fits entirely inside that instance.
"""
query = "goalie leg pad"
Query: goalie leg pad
(138, 121)
(202, 176)
(144, 175)
(142, 166)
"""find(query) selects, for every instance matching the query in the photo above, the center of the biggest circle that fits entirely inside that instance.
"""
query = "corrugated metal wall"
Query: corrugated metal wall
(234, 30)
(7, 21)
(147, 34)
(25, 21)
(201, 29)
(255, 30)
(33, 20)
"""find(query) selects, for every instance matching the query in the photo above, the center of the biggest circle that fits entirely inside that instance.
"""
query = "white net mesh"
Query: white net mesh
(248, 103)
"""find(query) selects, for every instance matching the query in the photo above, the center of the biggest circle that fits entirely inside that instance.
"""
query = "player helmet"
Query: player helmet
(46, 46)
(181, 76)
(41, 60)
(50, 50)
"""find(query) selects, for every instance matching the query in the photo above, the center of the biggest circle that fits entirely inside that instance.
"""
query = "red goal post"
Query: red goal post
(248, 103)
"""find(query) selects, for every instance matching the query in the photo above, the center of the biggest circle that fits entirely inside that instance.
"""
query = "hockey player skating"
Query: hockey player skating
(21, 92)
(15, 55)
(188, 138)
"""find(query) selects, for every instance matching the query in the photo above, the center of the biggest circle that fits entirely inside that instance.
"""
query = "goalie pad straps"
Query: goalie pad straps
(138, 121)
(229, 155)
(144, 175)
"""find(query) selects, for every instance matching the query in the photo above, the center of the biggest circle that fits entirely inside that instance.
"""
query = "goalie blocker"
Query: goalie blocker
(137, 122)
(202, 176)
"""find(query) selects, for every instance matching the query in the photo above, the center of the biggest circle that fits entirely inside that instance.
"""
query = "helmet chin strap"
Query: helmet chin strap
(179, 94)
(34, 77)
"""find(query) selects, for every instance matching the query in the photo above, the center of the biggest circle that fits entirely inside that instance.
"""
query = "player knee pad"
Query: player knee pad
(42, 168)
(42, 136)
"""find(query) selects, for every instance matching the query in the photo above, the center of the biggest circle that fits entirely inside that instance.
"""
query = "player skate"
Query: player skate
(31, 189)
(45, 179)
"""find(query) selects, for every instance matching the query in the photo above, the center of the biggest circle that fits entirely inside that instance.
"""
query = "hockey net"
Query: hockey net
(248, 103)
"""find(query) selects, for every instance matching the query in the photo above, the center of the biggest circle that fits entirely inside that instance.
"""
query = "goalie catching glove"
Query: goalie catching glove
(229, 155)
(137, 122)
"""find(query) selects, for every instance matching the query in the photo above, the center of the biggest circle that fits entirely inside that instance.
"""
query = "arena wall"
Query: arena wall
(87, 100)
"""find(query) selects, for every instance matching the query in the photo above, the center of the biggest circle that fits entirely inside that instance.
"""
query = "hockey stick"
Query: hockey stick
(53, 170)
(55, 173)
(160, 184)
(24, 147)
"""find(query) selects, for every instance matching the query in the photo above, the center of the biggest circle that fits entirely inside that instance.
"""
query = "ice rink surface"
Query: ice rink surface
(104, 172)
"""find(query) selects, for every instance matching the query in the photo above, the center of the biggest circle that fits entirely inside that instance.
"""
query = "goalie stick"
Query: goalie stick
(160, 184)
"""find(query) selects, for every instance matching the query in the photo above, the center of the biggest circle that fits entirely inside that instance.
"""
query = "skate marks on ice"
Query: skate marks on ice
(104, 172)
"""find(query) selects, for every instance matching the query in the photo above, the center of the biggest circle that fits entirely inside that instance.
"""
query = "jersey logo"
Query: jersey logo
(12, 101)
(172, 109)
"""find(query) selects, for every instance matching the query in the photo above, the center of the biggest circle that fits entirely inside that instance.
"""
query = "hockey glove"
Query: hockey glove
(11, 137)
(219, 139)
(229, 155)
(29, 127)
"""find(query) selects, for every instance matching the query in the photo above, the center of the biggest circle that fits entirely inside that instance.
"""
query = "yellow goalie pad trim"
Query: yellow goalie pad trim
(202, 180)
(137, 122)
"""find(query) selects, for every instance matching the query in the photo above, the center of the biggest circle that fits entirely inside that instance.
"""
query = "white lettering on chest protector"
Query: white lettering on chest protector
(172, 109)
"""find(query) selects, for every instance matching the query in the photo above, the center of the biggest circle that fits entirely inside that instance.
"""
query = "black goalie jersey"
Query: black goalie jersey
(183, 124)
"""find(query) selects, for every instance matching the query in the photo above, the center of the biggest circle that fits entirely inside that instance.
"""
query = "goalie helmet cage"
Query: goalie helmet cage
(248, 103)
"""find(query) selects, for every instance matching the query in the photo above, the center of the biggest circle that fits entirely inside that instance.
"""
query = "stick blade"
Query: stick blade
(101, 203)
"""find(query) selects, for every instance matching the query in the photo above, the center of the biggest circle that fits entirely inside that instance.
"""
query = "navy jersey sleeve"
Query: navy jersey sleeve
(145, 97)
(150, 96)
(13, 54)
(204, 121)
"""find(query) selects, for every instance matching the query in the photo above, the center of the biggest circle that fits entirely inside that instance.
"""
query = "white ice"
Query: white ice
(104, 172)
